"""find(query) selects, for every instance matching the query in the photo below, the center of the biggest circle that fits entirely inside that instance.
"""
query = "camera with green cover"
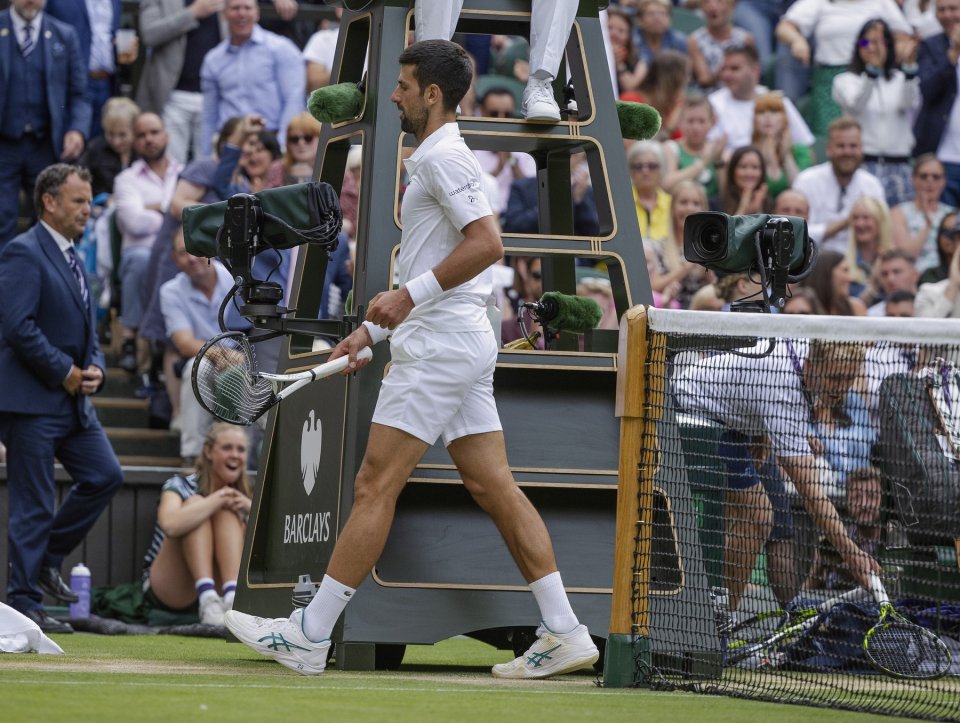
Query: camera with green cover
(775, 249)
(732, 244)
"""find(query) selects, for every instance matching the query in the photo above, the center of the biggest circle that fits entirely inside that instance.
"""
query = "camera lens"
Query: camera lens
(710, 241)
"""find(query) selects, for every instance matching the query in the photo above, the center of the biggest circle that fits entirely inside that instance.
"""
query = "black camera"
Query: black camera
(729, 243)
(775, 248)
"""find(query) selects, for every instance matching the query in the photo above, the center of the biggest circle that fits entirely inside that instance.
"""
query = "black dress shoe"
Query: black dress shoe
(51, 583)
(47, 624)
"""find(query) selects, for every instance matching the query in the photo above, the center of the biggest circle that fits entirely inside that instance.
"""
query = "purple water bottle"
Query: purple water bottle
(80, 584)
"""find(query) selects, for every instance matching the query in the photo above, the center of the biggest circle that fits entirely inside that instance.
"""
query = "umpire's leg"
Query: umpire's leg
(89, 459)
(31, 492)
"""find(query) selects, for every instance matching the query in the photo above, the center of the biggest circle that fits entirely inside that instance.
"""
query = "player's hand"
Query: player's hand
(862, 566)
(73, 381)
(92, 378)
(351, 346)
(389, 308)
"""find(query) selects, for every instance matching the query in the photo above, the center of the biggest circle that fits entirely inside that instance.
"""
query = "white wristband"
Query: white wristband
(377, 333)
(423, 288)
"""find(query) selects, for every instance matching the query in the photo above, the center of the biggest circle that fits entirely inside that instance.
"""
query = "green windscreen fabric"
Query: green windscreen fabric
(293, 215)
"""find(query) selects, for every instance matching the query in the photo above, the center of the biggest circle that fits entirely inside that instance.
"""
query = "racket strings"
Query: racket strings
(226, 381)
(907, 650)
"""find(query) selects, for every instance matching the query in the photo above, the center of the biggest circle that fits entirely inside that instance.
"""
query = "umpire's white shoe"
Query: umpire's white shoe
(552, 654)
(538, 101)
(282, 639)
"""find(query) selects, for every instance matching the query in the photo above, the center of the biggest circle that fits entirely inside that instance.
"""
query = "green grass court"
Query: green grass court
(169, 678)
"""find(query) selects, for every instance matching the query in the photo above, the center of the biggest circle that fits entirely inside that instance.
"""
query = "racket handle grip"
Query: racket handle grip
(878, 590)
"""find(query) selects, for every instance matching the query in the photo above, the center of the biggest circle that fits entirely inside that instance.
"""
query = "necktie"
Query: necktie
(78, 273)
(28, 43)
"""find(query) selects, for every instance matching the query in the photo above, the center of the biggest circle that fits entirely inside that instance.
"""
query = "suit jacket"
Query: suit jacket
(938, 84)
(66, 72)
(164, 25)
(44, 328)
(74, 13)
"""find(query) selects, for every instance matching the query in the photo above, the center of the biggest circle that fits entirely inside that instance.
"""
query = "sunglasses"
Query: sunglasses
(300, 139)
(645, 166)
(501, 114)
(951, 233)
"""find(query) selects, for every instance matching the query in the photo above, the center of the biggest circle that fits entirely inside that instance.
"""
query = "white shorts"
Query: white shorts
(440, 384)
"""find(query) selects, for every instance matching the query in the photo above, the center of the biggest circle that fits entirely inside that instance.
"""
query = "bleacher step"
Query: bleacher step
(122, 411)
(144, 442)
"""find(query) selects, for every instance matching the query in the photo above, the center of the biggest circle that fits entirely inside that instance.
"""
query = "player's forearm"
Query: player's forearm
(806, 479)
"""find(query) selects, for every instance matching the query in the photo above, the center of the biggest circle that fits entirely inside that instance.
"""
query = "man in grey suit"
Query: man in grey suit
(43, 112)
(177, 33)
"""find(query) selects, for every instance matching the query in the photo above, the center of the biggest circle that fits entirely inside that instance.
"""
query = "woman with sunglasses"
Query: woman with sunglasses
(941, 299)
(915, 222)
(948, 241)
(646, 162)
(296, 166)
(883, 98)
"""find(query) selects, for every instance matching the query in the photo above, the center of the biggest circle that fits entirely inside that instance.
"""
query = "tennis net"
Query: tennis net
(768, 463)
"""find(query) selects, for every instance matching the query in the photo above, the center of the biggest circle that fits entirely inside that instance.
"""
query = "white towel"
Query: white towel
(19, 634)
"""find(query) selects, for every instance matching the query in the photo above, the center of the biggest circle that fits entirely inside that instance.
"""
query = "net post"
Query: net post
(628, 647)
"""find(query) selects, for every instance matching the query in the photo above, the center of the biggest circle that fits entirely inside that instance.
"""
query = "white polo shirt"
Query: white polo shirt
(445, 193)
(751, 396)
(828, 204)
(734, 118)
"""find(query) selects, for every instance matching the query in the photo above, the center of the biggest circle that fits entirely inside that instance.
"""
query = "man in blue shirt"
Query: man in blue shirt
(190, 303)
(252, 71)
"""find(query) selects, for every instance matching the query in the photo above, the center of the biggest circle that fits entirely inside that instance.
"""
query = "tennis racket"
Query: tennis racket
(228, 384)
(753, 639)
(899, 648)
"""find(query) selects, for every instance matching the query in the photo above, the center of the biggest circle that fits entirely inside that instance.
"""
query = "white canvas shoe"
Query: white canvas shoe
(552, 654)
(538, 101)
(282, 639)
(212, 611)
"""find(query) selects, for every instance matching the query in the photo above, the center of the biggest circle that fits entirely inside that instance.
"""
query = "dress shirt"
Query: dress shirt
(136, 188)
(735, 118)
(63, 243)
(829, 203)
(265, 75)
(101, 57)
(489, 160)
(19, 24)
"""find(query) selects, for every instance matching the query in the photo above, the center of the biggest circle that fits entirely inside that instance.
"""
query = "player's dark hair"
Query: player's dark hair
(52, 178)
(440, 63)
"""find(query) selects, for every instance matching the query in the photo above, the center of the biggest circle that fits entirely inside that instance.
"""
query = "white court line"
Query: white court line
(453, 688)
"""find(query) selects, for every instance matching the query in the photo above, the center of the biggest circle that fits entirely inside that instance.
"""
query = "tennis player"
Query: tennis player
(440, 384)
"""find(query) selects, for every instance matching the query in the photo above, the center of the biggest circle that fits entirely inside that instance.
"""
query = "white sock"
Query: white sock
(229, 591)
(205, 589)
(555, 610)
(325, 608)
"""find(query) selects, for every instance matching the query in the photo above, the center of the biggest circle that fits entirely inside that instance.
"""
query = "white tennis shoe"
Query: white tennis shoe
(552, 654)
(282, 639)
(538, 101)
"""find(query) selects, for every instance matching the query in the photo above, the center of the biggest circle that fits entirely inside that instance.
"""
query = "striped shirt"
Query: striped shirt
(185, 487)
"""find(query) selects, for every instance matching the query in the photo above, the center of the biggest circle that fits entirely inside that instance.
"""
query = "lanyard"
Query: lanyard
(803, 385)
